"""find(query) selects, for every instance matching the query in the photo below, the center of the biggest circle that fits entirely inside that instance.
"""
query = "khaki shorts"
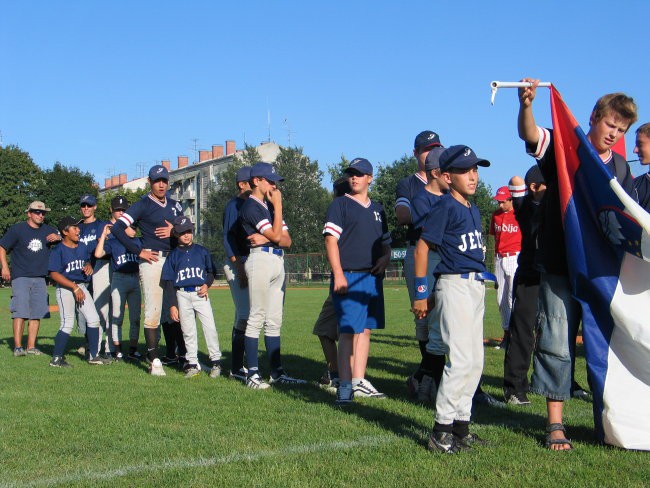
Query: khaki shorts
(327, 325)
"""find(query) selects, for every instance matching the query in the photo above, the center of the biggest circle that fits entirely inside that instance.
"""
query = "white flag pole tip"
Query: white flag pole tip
(495, 85)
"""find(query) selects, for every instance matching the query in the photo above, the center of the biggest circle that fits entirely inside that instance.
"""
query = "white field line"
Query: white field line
(89, 475)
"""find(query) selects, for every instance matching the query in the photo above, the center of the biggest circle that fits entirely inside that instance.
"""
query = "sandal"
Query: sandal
(552, 442)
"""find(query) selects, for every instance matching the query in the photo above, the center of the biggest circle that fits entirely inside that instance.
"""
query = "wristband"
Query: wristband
(75, 289)
(421, 288)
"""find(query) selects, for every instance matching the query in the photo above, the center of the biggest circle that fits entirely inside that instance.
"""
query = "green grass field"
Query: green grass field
(117, 426)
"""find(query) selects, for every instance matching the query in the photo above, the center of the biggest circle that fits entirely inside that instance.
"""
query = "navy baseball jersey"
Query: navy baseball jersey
(456, 230)
(70, 261)
(421, 205)
(642, 185)
(149, 213)
(29, 249)
(90, 233)
(122, 260)
(256, 217)
(407, 188)
(188, 266)
(234, 240)
(361, 231)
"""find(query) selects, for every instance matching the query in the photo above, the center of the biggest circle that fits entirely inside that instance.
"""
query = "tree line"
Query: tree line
(305, 199)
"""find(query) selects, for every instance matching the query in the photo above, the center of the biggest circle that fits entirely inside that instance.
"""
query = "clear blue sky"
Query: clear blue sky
(107, 85)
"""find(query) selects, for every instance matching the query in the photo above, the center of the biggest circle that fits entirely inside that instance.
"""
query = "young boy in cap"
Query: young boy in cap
(189, 272)
(559, 313)
(357, 243)
(407, 188)
(29, 242)
(262, 214)
(235, 246)
(125, 283)
(507, 244)
(454, 227)
(642, 149)
(70, 269)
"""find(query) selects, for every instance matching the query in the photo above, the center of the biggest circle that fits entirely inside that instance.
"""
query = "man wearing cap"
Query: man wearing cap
(29, 242)
(262, 214)
(507, 244)
(407, 188)
(90, 229)
(236, 248)
(125, 285)
(154, 214)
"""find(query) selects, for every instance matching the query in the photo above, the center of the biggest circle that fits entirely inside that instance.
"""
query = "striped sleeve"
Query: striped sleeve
(543, 142)
(517, 191)
(332, 229)
(263, 225)
(403, 194)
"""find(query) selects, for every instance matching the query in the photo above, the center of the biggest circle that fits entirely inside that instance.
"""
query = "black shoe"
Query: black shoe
(59, 362)
(470, 440)
(134, 356)
(444, 442)
(520, 399)
(483, 398)
(167, 361)
(579, 392)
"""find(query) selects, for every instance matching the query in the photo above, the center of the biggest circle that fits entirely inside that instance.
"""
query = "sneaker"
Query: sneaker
(444, 442)
(107, 357)
(99, 360)
(82, 349)
(167, 361)
(34, 351)
(215, 371)
(156, 368)
(59, 362)
(285, 379)
(327, 383)
(520, 399)
(192, 370)
(412, 387)
(118, 357)
(365, 390)
(19, 351)
(239, 375)
(344, 395)
(470, 440)
(134, 356)
(483, 398)
(427, 390)
(256, 382)
(581, 394)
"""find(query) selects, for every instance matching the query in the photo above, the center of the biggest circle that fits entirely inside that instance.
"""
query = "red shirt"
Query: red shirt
(505, 229)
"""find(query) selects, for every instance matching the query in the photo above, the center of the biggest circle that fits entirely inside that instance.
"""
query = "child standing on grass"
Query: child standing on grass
(189, 271)
(358, 250)
(70, 268)
(454, 228)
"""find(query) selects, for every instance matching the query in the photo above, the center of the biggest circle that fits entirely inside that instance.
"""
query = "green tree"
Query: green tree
(104, 200)
(20, 182)
(218, 197)
(305, 201)
(335, 170)
(486, 205)
(383, 191)
(64, 186)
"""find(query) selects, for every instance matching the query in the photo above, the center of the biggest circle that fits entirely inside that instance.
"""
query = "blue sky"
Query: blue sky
(106, 86)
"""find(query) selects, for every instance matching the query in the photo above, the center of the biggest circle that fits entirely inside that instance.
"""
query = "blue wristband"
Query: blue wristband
(421, 288)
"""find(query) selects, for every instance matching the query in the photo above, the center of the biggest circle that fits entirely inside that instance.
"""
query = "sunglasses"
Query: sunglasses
(86, 205)
(38, 212)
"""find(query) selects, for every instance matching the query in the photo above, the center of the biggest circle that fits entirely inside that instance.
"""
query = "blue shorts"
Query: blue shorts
(29, 299)
(362, 307)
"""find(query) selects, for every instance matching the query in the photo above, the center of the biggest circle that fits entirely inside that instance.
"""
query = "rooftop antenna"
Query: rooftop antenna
(140, 169)
(0, 138)
(195, 148)
(286, 123)
(268, 119)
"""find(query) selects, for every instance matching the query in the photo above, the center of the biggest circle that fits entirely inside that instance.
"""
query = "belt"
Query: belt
(271, 250)
(507, 254)
(365, 270)
(484, 276)
(189, 288)
(162, 254)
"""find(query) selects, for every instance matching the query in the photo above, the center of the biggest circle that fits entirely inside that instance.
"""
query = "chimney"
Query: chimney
(204, 156)
(107, 183)
(166, 164)
(230, 148)
(217, 152)
(183, 161)
(122, 178)
(115, 180)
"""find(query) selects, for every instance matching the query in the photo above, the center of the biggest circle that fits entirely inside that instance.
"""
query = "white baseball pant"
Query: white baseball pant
(505, 268)
(68, 306)
(239, 296)
(152, 291)
(266, 285)
(190, 302)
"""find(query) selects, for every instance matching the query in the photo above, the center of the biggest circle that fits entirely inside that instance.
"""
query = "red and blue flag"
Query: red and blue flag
(608, 249)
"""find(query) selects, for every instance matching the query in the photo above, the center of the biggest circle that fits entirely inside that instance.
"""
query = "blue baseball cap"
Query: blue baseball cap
(460, 157)
(182, 224)
(158, 172)
(433, 158)
(88, 199)
(360, 165)
(266, 171)
(426, 138)
(243, 174)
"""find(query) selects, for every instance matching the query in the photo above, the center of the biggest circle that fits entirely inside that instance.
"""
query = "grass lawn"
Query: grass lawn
(117, 426)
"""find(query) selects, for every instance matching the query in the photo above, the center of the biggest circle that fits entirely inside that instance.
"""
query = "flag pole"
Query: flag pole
(495, 85)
